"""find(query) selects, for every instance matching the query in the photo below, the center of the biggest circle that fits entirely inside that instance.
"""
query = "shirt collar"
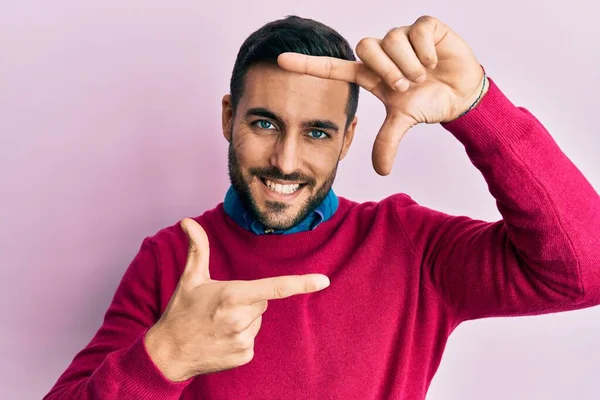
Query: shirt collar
(245, 218)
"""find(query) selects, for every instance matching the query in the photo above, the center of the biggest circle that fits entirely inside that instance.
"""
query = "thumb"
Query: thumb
(196, 271)
(386, 143)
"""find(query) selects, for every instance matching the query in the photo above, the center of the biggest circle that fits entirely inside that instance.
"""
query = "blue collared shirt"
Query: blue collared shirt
(243, 217)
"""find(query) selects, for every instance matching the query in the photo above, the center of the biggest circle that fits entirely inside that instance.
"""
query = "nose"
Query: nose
(286, 155)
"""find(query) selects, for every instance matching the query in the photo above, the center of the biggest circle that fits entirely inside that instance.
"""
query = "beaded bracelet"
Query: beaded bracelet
(479, 97)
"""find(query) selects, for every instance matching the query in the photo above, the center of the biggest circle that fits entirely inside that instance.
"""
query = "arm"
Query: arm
(205, 327)
(544, 255)
(115, 364)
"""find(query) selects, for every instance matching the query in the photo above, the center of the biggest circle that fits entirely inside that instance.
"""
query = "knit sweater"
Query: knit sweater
(403, 277)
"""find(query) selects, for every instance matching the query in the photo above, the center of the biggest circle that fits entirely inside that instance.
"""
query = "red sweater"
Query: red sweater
(402, 278)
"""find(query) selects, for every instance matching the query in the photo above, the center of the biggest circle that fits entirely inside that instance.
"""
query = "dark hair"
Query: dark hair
(291, 34)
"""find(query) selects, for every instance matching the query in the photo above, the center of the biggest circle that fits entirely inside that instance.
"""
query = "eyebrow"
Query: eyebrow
(312, 123)
(321, 124)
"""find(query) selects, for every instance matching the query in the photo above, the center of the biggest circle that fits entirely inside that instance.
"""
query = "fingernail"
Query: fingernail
(401, 85)
(421, 79)
(322, 282)
(431, 66)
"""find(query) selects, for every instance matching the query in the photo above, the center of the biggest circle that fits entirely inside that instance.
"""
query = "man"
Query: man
(361, 297)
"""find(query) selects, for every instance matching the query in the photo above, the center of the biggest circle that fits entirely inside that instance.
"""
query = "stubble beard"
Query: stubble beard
(274, 209)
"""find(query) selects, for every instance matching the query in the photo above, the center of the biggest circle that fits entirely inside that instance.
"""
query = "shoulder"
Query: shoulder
(392, 203)
(395, 211)
(367, 215)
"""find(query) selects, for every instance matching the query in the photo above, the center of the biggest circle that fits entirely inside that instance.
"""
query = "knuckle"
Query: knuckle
(244, 342)
(256, 325)
(236, 324)
(228, 300)
(230, 322)
(228, 297)
(247, 356)
(330, 68)
(393, 37)
(416, 32)
(279, 290)
(364, 46)
(192, 248)
(392, 75)
(415, 72)
(424, 19)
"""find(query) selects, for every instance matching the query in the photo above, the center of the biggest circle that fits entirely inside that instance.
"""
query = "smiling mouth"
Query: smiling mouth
(282, 188)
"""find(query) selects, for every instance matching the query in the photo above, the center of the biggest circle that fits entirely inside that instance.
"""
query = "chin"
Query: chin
(278, 216)
(279, 222)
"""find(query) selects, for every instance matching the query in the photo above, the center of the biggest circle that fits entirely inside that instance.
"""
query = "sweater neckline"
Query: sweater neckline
(239, 213)
(305, 240)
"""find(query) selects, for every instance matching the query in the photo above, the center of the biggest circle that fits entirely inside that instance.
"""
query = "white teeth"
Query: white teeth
(284, 189)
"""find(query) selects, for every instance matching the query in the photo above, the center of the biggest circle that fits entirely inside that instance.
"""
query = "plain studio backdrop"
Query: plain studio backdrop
(110, 130)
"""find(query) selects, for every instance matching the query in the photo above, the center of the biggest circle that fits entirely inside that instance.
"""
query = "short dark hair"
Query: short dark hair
(291, 34)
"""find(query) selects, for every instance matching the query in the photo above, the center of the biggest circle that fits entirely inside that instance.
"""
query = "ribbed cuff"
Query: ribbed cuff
(494, 123)
(146, 381)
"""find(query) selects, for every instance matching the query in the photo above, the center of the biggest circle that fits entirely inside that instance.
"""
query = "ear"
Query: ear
(227, 116)
(348, 137)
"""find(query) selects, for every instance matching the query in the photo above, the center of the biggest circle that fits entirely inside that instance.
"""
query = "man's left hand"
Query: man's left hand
(423, 73)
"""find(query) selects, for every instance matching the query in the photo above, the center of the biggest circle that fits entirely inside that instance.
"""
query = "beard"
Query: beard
(268, 218)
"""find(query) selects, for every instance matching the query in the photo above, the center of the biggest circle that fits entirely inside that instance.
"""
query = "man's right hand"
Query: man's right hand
(210, 325)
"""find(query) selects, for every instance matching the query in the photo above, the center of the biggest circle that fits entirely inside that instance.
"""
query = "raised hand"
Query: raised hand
(423, 73)
(211, 325)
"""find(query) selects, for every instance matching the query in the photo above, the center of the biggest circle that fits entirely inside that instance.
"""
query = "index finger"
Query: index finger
(320, 66)
(280, 287)
(331, 68)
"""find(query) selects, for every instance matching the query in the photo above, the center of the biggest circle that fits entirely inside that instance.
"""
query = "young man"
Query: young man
(364, 296)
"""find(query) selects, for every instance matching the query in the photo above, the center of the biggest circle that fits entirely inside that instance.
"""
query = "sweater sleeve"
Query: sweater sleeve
(544, 254)
(115, 364)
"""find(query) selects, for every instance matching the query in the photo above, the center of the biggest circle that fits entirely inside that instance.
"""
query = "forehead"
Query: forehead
(294, 96)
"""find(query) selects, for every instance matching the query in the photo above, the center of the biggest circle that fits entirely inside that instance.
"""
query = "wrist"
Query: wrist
(162, 353)
(486, 87)
(474, 100)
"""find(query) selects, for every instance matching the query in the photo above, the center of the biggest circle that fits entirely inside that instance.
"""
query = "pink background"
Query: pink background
(110, 130)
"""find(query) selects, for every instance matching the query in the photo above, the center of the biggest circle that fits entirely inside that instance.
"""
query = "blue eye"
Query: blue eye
(316, 134)
(264, 124)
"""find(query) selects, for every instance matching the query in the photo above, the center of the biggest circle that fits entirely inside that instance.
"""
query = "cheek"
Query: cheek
(251, 151)
(323, 161)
